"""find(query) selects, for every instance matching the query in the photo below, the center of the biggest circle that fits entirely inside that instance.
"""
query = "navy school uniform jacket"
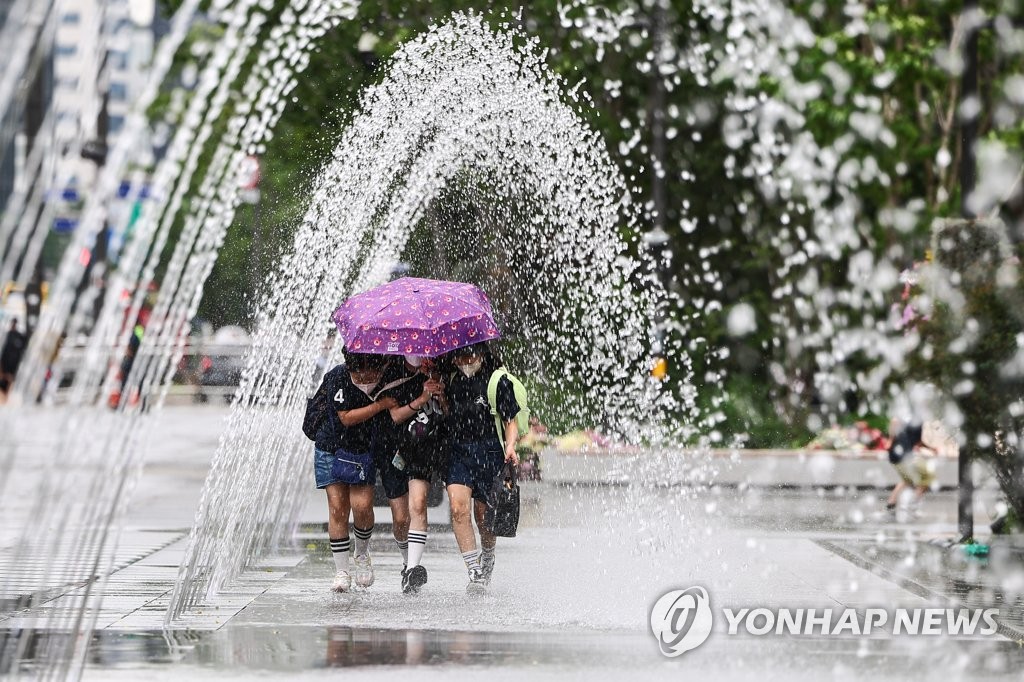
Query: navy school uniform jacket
(470, 419)
(332, 434)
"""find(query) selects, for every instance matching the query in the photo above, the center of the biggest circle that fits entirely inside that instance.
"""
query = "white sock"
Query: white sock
(363, 536)
(472, 559)
(403, 547)
(417, 543)
(339, 550)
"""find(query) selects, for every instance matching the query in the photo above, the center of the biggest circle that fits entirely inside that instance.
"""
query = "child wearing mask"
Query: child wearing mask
(347, 432)
(421, 451)
(477, 456)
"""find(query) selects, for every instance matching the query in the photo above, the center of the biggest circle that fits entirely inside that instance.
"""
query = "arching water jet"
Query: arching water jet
(466, 120)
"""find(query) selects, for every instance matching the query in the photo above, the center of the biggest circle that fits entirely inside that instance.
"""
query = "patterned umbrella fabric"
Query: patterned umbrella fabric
(413, 316)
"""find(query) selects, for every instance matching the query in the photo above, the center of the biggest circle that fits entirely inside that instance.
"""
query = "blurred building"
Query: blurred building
(5, 6)
(26, 85)
(102, 49)
(71, 72)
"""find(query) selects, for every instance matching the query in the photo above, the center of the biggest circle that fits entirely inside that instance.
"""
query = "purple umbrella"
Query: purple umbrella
(413, 316)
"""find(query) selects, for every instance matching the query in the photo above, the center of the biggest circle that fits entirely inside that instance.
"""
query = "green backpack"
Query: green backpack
(522, 398)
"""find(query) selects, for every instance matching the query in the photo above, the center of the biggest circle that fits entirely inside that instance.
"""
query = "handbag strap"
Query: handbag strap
(378, 390)
(512, 472)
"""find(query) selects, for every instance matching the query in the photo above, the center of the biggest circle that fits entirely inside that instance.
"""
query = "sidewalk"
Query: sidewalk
(772, 468)
(573, 589)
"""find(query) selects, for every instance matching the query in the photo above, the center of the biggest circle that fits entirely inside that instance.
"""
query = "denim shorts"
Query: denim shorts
(475, 465)
(323, 464)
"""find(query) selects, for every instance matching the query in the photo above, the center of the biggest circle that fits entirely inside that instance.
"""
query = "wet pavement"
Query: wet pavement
(307, 652)
(570, 597)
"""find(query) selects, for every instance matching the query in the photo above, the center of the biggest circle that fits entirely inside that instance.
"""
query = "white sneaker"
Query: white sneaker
(477, 582)
(487, 567)
(364, 570)
(342, 582)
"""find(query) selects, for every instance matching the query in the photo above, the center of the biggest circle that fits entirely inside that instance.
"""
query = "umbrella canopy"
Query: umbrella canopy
(413, 316)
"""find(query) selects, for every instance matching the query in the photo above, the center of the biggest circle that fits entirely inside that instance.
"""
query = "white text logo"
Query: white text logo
(681, 620)
(928, 621)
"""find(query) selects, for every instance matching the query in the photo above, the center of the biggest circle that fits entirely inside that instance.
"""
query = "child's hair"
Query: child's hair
(492, 360)
(364, 361)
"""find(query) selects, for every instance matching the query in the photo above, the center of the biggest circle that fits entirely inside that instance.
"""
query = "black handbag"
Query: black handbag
(502, 515)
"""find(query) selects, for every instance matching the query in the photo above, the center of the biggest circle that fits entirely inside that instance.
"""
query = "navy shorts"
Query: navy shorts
(395, 481)
(475, 465)
(323, 464)
(427, 463)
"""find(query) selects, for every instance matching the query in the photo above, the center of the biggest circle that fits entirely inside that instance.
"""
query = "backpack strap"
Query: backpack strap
(492, 400)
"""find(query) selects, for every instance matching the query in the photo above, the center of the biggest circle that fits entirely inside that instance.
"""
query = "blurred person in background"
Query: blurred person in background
(10, 357)
(914, 445)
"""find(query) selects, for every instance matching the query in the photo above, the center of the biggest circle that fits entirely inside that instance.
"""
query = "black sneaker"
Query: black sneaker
(414, 579)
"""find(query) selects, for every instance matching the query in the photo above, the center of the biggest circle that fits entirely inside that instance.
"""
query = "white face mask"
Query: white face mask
(366, 388)
(414, 360)
(472, 368)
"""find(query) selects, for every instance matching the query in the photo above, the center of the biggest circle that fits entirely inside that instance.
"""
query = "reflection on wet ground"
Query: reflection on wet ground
(303, 650)
(308, 647)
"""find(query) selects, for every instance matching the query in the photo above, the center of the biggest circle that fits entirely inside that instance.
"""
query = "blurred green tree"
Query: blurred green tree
(794, 153)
